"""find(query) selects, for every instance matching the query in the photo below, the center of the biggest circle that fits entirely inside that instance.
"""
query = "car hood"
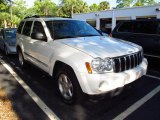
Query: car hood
(100, 46)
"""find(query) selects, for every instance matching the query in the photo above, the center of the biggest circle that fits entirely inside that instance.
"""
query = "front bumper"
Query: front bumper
(95, 84)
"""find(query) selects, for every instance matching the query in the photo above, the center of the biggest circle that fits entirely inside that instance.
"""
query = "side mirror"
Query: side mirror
(39, 36)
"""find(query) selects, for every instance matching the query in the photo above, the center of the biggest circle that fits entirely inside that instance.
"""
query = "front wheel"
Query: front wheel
(5, 50)
(21, 59)
(68, 86)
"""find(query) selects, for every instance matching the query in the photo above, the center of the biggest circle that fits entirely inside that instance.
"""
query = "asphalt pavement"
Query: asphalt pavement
(106, 109)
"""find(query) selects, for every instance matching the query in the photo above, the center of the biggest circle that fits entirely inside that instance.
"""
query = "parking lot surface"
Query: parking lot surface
(137, 103)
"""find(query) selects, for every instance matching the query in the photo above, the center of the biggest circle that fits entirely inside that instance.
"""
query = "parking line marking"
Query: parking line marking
(151, 76)
(32, 94)
(138, 104)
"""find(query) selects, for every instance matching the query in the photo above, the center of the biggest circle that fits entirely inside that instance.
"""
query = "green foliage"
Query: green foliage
(130, 3)
(104, 5)
(94, 7)
(12, 11)
(44, 7)
(68, 7)
(19, 8)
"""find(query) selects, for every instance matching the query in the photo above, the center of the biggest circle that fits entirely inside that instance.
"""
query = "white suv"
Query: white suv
(79, 58)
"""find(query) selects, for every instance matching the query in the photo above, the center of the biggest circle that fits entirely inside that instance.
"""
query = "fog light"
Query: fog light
(103, 86)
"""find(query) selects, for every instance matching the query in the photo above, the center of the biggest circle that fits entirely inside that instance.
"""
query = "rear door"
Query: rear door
(145, 36)
(25, 37)
(123, 30)
(40, 49)
(157, 53)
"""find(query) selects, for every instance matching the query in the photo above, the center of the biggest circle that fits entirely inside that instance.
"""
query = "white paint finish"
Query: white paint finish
(97, 23)
(105, 46)
(102, 83)
(32, 94)
(75, 52)
(138, 104)
(113, 20)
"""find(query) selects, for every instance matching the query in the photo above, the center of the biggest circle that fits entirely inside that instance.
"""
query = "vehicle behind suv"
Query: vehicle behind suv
(145, 33)
(79, 58)
(8, 40)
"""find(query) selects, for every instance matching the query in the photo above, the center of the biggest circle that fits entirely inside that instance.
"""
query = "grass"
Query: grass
(6, 108)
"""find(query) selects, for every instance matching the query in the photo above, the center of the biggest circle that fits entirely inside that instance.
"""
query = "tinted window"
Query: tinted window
(146, 27)
(158, 28)
(126, 27)
(70, 28)
(20, 27)
(27, 28)
(38, 27)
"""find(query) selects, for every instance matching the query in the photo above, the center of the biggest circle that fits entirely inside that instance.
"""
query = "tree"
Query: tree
(94, 7)
(130, 3)
(44, 7)
(144, 2)
(4, 19)
(104, 5)
(68, 7)
(19, 8)
(124, 3)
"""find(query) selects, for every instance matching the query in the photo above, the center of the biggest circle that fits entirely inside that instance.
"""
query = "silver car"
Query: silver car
(8, 40)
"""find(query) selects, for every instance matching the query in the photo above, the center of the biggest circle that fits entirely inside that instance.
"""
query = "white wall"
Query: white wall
(120, 13)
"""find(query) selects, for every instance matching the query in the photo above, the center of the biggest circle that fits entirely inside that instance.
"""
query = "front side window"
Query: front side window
(126, 27)
(27, 28)
(38, 28)
(70, 28)
(10, 33)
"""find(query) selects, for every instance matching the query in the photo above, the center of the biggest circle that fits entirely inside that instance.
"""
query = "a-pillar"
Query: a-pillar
(97, 23)
(113, 22)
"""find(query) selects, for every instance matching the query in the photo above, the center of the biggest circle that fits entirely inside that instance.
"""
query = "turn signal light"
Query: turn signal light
(89, 69)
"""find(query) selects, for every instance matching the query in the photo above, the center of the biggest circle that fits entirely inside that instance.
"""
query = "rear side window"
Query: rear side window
(27, 28)
(145, 27)
(158, 28)
(20, 27)
(126, 27)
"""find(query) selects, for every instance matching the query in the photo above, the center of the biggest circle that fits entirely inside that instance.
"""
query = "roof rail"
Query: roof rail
(38, 16)
(43, 16)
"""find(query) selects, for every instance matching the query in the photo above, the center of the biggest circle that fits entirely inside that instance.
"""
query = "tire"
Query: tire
(67, 86)
(22, 62)
(5, 51)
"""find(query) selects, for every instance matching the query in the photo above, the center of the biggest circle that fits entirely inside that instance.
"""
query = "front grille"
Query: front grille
(127, 62)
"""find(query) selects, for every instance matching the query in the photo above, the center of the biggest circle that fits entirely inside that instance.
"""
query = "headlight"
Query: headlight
(102, 65)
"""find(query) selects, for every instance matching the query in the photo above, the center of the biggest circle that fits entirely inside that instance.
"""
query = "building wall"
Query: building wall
(123, 13)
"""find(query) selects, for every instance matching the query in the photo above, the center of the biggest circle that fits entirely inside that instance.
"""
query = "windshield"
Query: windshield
(70, 29)
(10, 33)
